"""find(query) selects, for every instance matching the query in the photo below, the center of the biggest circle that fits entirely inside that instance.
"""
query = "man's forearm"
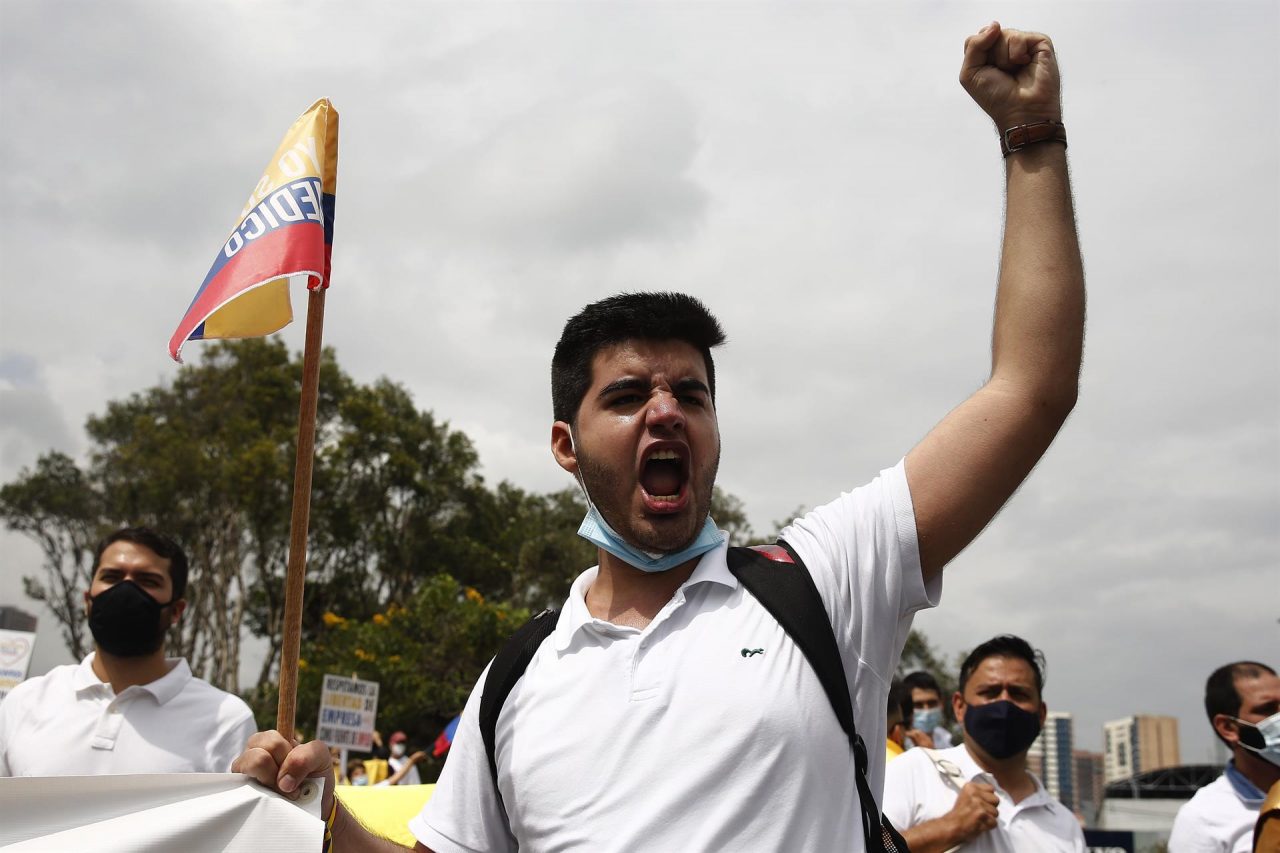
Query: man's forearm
(350, 836)
(1039, 324)
(932, 836)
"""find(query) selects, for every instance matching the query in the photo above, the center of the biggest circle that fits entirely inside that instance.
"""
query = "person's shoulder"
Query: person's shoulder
(1204, 810)
(1209, 797)
(911, 763)
(229, 704)
(39, 687)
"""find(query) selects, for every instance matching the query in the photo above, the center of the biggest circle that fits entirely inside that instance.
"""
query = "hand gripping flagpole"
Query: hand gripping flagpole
(299, 520)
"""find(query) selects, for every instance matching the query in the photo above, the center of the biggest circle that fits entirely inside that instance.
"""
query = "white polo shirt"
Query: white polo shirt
(1218, 819)
(915, 791)
(69, 723)
(706, 730)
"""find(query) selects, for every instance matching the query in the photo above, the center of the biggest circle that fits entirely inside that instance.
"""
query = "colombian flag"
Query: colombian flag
(285, 230)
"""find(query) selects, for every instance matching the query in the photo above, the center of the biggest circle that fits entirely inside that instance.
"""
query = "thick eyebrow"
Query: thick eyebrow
(626, 383)
(691, 384)
(633, 383)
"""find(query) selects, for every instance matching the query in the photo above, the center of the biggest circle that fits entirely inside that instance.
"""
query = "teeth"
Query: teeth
(664, 497)
(665, 454)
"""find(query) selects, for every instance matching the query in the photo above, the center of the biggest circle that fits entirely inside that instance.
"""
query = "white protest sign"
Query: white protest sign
(15, 658)
(348, 707)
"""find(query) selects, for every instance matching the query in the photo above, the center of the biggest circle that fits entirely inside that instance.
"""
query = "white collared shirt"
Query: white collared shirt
(70, 723)
(1216, 820)
(705, 730)
(917, 790)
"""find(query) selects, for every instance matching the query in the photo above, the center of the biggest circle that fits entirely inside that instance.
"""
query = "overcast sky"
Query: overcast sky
(813, 171)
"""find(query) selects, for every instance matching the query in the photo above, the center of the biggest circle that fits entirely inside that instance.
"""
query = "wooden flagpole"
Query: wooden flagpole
(299, 521)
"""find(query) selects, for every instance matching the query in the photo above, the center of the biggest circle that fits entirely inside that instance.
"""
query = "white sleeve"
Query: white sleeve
(232, 740)
(464, 814)
(862, 552)
(4, 739)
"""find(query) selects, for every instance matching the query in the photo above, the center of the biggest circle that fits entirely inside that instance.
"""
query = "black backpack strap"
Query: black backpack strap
(507, 668)
(779, 580)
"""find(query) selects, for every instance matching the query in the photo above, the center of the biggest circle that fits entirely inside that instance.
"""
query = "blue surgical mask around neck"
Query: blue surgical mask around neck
(598, 532)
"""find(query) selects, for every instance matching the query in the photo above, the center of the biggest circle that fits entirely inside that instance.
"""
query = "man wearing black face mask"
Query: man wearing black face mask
(126, 708)
(980, 795)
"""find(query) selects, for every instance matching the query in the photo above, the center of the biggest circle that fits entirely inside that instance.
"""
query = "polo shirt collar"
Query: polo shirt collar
(971, 768)
(1249, 793)
(712, 568)
(162, 689)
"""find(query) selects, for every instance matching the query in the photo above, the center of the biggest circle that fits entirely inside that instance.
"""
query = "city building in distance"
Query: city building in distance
(1050, 758)
(1139, 744)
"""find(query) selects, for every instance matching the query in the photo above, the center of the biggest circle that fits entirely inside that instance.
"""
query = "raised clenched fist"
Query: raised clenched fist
(1013, 76)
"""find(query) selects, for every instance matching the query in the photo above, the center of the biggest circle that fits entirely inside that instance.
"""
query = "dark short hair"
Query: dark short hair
(162, 545)
(899, 703)
(626, 317)
(1220, 694)
(921, 680)
(1004, 646)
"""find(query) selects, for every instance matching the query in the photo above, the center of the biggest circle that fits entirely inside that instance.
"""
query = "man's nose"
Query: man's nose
(665, 411)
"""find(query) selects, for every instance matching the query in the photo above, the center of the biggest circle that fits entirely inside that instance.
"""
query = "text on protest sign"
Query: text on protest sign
(348, 708)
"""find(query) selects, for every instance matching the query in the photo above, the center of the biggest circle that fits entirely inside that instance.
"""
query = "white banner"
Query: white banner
(15, 658)
(348, 708)
(190, 812)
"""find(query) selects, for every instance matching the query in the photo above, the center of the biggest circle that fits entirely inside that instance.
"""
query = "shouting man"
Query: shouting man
(668, 709)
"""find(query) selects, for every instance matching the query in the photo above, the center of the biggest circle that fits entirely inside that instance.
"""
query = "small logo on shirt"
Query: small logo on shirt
(746, 653)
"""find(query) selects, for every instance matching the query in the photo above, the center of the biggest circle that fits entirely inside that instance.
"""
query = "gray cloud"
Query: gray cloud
(813, 172)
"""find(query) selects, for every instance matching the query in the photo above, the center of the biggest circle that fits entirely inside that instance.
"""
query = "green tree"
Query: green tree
(60, 509)
(919, 654)
(208, 458)
(425, 653)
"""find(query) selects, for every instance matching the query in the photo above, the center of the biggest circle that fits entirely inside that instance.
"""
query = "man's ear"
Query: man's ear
(562, 447)
(957, 707)
(1044, 714)
(87, 599)
(1227, 729)
(178, 608)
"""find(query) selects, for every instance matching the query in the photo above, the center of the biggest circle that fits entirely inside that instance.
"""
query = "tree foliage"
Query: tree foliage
(397, 504)
(426, 652)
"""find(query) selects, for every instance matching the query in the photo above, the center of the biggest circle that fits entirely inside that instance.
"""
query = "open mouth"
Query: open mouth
(663, 478)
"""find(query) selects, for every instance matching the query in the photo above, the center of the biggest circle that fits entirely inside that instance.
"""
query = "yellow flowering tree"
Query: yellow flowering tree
(425, 653)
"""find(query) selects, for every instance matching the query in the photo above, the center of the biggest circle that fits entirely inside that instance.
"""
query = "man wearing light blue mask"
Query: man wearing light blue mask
(1242, 701)
(926, 726)
(668, 709)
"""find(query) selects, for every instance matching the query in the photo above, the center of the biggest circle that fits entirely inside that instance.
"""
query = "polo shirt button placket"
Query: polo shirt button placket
(109, 726)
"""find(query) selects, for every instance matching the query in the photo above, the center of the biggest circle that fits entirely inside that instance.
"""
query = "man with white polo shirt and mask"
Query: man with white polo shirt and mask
(668, 709)
(981, 794)
(1242, 701)
(125, 708)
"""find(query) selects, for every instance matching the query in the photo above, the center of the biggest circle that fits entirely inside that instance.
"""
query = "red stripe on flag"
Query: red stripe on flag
(276, 254)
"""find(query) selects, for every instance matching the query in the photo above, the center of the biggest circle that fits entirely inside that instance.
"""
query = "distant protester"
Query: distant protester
(1242, 701)
(125, 708)
(404, 767)
(896, 717)
(980, 795)
(927, 725)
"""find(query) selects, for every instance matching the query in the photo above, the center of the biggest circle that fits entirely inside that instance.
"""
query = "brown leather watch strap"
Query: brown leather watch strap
(1022, 135)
